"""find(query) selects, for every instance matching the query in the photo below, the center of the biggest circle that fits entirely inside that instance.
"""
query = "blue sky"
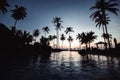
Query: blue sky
(74, 13)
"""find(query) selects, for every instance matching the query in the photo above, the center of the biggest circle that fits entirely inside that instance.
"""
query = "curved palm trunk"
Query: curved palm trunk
(104, 37)
(104, 14)
(80, 45)
(15, 23)
(108, 37)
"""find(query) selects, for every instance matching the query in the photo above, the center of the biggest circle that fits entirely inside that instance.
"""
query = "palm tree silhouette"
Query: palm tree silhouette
(57, 22)
(91, 37)
(70, 39)
(18, 13)
(102, 7)
(102, 21)
(68, 30)
(46, 30)
(87, 38)
(79, 38)
(36, 33)
(25, 37)
(84, 39)
(62, 38)
(3, 6)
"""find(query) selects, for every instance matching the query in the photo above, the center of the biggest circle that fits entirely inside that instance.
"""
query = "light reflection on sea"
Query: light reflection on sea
(63, 65)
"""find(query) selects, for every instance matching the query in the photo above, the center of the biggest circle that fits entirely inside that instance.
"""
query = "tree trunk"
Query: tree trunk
(104, 15)
(108, 37)
(15, 23)
(80, 45)
(104, 37)
(70, 45)
(57, 39)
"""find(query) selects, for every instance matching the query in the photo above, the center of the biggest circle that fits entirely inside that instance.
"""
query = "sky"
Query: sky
(73, 13)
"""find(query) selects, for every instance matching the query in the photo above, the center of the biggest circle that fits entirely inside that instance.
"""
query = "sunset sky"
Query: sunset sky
(74, 13)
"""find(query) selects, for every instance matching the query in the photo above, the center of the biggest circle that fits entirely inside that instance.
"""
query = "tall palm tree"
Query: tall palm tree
(57, 22)
(19, 13)
(62, 39)
(101, 7)
(68, 30)
(36, 33)
(102, 21)
(46, 30)
(70, 39)
(79, 38)
(91, 37)
(3, 6)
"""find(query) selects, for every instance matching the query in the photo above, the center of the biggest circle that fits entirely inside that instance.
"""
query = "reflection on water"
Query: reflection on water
(61, 66)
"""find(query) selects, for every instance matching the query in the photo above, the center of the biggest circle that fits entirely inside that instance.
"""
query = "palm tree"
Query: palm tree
(62, 39)
(26, 37)
(68, 30)
(18, 13)
(102, 7)
(102, 21)
(84, 39)
(91, 37)
(3, 6)
(79, 38)
(70, 39)
(57, 22)
(46, 30)
(36, 33)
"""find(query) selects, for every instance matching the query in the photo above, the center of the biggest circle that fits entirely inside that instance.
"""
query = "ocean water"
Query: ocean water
(65, 65)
